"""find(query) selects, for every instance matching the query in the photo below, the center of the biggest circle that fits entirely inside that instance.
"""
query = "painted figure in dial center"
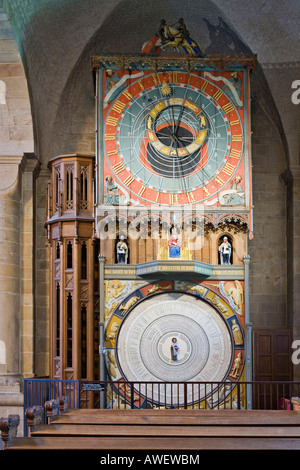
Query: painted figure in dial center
(174, 349)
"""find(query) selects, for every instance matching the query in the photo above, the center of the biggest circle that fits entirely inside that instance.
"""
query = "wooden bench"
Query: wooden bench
(55, 407)
(190, 426)
(178, 444)
(63, 405)
(34, 417)
(52, 409)
(8, 428)
(134, 430)
(152, 429)
(184, 417)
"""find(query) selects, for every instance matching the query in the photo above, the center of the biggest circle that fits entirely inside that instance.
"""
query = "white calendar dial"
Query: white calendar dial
(179, 338)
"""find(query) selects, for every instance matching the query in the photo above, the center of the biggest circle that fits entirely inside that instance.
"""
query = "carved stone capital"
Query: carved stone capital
(9, 170)
(10, 167)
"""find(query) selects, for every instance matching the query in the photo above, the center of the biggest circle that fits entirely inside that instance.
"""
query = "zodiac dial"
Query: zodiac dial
(172, 138)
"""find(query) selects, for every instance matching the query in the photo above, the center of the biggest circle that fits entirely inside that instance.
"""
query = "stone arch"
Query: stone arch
(70, 110)
(16, 120)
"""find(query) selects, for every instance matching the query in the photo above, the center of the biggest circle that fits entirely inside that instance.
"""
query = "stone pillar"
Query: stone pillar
(27, 265)
(248, 334)
(16, 266)
(10, 266)
(101, 259)
(16, 137)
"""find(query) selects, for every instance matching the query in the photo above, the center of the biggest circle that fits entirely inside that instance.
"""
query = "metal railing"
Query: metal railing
(194, 395)
(187, 395)
(38, 391)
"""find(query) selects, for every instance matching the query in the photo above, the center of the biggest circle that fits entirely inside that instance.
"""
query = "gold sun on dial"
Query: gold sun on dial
(176, 127)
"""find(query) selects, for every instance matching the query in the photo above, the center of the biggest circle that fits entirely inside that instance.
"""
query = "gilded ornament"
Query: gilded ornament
(129, 304)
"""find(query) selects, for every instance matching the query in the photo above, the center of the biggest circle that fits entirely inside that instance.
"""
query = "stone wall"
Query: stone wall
(268, 267)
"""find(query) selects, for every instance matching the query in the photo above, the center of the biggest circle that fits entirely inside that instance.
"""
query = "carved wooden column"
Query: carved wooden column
(70, 226)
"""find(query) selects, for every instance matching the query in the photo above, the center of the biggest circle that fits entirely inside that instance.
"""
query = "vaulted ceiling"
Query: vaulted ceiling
(56, 37)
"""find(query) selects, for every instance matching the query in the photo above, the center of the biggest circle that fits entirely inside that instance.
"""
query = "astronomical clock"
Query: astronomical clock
(173, 213)
(173, 137)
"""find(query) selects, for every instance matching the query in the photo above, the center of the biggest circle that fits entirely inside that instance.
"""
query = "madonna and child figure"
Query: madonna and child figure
(174, 349)
(174, 245)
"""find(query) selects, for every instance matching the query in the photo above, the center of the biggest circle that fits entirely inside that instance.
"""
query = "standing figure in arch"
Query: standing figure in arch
(225, 251)
(122, 251)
